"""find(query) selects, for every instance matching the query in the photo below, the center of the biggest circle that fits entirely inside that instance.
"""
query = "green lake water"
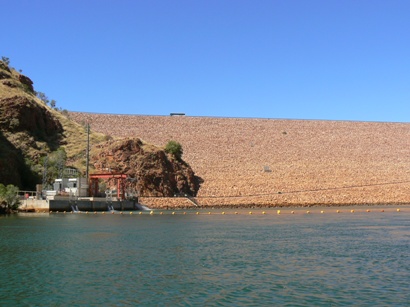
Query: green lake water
(345, 259)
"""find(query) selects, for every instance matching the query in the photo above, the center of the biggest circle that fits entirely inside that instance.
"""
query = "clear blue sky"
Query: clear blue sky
(311, 59)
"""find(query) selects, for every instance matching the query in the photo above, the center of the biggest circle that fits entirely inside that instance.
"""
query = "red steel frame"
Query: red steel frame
(120, 182)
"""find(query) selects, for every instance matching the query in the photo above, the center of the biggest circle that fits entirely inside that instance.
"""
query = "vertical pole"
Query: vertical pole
(87, 153)
(45, 173)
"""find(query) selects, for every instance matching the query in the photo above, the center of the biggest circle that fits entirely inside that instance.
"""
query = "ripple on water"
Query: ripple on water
(225, 260)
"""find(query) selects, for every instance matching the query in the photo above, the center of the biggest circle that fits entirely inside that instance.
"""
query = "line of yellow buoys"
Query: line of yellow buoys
(278, 212)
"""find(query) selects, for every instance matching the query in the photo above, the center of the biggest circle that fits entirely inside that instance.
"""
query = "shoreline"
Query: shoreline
(260, 207)
(165, 203)
(171, 203)
(271, 211)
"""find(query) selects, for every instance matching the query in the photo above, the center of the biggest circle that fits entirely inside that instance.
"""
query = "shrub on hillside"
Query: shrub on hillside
(174, 148)
(9, 199)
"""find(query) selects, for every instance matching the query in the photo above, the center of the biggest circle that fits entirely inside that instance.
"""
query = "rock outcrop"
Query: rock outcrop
(19, 113)
(28, 130)
(152, 172)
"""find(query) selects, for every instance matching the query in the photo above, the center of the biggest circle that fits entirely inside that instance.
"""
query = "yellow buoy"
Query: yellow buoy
(278, 212)
(352, 211)
(250, 212)
(160, 213)
(263, 212)
(103, 212)
(95, 212)
(209, 212)
(292, 212)
(337, 211)
(86, 212)
(184, 212)
(322, 211)
(197, 212)
(223, 212)
(367, 210)
(307, 212)
(398, 210)
(121, 212)
(236, 212)
(173, 213)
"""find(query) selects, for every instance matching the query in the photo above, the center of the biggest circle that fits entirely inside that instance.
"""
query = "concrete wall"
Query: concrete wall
(90, 205)
(36, 204)
(83, 205)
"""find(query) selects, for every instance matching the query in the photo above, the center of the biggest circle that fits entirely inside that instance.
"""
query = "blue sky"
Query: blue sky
(312, 59)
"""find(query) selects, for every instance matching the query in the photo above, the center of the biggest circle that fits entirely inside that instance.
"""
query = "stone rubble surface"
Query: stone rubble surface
(275, 162)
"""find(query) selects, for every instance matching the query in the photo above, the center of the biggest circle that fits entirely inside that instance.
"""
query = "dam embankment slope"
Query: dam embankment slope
(274, 162)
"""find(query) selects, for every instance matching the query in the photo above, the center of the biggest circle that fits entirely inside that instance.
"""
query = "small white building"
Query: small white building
(72, 186)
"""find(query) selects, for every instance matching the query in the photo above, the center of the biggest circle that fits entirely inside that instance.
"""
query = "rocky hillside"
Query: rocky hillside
(31, 130)
(28, 129)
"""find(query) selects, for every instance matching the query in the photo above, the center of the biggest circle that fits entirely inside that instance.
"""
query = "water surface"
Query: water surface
(227, 259)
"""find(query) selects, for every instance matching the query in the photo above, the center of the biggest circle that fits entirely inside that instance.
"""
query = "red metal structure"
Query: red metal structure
(120, 183)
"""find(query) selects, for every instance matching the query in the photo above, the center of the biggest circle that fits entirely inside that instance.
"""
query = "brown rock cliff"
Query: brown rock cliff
(151, 170)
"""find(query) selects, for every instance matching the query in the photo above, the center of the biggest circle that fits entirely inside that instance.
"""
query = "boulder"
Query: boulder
(26, 81)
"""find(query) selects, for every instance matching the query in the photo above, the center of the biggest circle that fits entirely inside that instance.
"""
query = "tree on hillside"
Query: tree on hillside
(6, 60)
(9, 199)
(53, 166)
(43, 97)
(174, 148)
